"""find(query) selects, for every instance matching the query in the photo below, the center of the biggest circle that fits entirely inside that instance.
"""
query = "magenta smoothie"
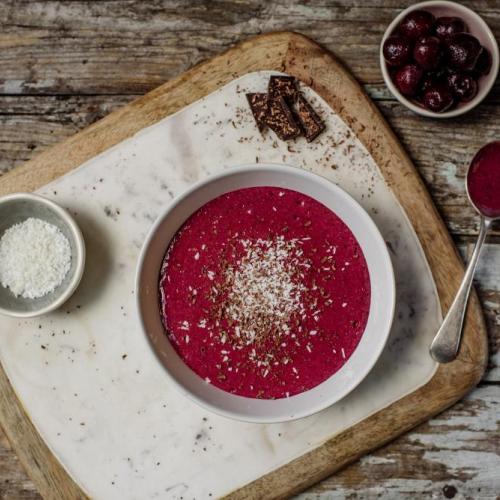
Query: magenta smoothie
(483, 180)
(265, 292)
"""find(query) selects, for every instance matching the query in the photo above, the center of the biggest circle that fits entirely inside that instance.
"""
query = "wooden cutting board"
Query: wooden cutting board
(299, 56)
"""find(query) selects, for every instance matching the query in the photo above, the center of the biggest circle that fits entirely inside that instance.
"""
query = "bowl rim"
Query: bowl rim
(387, 263)
(488, 83)
(79, 256)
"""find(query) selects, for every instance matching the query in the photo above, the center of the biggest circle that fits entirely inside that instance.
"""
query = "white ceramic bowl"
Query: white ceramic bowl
(381, 306)
(476, 26)
(16, 208)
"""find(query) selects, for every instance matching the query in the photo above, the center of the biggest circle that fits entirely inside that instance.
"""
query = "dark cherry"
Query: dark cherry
(429, 80)
(463, 85)
(483, 63)
(407, 79)
(416, 24)
(397, 51)
(447, 26)
(438, 98)
(462, 51)
(428, 52)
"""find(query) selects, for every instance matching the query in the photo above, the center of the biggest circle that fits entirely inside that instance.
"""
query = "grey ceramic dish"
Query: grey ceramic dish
(16, 208)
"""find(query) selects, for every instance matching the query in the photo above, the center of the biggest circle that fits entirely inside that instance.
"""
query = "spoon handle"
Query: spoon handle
(444, 347)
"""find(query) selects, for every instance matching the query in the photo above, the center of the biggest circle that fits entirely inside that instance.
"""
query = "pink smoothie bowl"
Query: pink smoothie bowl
(382, 302)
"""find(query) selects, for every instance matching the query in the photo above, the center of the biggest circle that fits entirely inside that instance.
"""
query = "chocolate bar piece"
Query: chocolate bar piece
(283, 86)
(280, 119)
(308, 118)
(258, 105)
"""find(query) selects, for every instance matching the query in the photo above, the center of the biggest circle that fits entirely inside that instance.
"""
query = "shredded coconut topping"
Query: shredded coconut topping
(263, 290)
(35, 256)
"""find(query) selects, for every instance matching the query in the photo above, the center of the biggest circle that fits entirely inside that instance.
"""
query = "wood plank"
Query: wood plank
(14, 483)
(52, 47)
(29, 125)
(488, 278)
(304, 59)
(456, 454)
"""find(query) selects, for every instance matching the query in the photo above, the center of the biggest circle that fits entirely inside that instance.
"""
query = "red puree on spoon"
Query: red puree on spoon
(265, 292)
(483, 180)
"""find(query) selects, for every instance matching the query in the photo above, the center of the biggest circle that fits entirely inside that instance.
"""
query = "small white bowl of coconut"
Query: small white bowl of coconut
(42, 255)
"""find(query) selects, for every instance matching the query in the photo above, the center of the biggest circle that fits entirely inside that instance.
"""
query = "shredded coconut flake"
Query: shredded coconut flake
(35, 256)
(263, 291)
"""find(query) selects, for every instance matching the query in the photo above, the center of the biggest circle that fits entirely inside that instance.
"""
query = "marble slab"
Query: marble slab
(86, 374)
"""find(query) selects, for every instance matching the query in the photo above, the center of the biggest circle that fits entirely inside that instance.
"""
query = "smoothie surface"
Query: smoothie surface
(265, 292)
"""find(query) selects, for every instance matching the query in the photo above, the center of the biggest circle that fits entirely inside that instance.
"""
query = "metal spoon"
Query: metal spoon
(444, 347)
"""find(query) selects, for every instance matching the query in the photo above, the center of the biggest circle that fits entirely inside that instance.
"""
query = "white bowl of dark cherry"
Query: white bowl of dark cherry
(439, 58)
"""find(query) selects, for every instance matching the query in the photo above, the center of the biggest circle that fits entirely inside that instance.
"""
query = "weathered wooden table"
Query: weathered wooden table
(65, 64)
